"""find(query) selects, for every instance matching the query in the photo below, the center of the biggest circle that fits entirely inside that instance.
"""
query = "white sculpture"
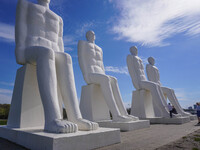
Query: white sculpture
(136, 70)
(39, 41)
(91, 63)
(154, 76)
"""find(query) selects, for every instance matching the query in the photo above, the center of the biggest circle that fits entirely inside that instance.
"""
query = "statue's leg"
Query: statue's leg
(156, 96)
(171, 96)
(65, 77)
(46, 75)
(105, 85)
(118, 98)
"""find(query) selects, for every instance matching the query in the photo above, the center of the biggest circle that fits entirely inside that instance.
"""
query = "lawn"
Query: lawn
(3, 122)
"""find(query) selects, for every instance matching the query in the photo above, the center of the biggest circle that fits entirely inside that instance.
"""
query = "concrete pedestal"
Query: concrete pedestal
(26, 109)
(36, 139)
(94, 108)
(128, 126)
(158, 120)
(193, 117)
(142, 104)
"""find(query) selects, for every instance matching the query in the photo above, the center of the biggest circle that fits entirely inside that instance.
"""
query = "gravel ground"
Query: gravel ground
(153, 137)
(189, 142)
(160, 137)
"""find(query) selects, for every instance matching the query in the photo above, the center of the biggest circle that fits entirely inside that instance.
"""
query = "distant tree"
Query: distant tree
(4, 111)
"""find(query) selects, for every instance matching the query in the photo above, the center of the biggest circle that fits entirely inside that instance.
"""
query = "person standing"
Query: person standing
(170, 109)
(198, 112)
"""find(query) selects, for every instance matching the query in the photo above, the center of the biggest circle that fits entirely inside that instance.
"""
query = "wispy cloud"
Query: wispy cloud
(5, 96)
(7, 32)
(5, 91)
(84, 28)
(5, 99)
(7, 84)
(151, 22)
(121, 70)
(181, 94)
(144, 60)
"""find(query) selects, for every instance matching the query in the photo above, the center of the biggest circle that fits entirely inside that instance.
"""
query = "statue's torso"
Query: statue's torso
(139, 68)
(153, 73)
(94, 58)
(43, 27)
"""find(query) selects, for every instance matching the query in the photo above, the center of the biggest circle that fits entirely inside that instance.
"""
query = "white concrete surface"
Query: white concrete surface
(26, 106)
(179, 120)
(36, 139)
(125, 126)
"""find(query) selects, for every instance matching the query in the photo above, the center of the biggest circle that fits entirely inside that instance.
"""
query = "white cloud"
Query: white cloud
(7, 32)
(5, 91)
(121, 70)
(181, 94)
(5, 96)
(84, 28)
(5, 99)
(7, 84)
(151, 22)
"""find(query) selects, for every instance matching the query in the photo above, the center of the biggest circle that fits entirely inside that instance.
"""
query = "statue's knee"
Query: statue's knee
(106, 79)
(114, 79)
(64, 57)
(47, 53)
(68, 58)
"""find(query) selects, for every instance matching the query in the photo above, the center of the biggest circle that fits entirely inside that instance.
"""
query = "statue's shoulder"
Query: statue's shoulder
(82, 42)
(97, 47)
(22, 4)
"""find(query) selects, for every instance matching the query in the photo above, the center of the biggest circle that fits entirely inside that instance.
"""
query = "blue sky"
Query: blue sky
(168, 30)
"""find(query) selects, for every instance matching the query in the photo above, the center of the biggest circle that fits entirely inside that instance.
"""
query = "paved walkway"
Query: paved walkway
(143, 139)
(153, 137)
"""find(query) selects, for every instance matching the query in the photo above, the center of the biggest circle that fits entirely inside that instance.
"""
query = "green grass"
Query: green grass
(3, 122)
(197, 139)
(195, 148)
(198, 135)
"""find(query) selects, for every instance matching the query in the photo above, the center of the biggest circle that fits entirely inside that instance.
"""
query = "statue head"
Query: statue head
(44, 2)
(151, 60)
(90, 36)
(134, 50)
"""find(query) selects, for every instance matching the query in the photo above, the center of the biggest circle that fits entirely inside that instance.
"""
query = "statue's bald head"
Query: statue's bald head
(44, 1)
(151, 60)
(90, 36)
(134, 50)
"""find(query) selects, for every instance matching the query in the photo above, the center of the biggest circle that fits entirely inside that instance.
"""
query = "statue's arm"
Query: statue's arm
(21, 30)
(60, 35)
(158, 76)
(148, 72)
(81, 56)
(102, 65)
(132, 70)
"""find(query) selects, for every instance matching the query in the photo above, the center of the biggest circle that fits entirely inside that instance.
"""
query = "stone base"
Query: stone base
(193, 117)
(37, 139)
(125, 126)
(180, 120)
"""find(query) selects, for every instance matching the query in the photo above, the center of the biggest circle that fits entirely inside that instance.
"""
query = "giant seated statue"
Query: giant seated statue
(154, 76)
(148, 100)
(46, 78)
(102, 94)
